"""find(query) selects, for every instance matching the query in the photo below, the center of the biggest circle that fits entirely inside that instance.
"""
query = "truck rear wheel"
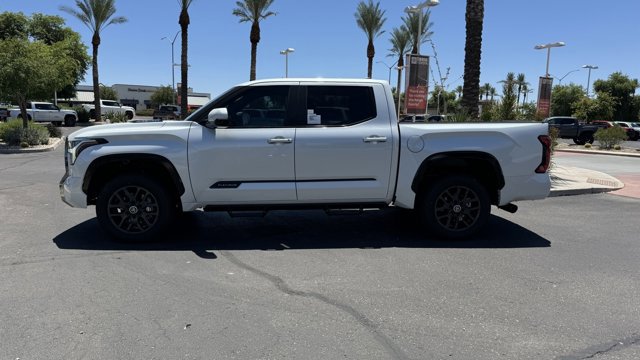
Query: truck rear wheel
(135, 208)
(586, 138)
(455, 207)
(577, 141)
(69, 120)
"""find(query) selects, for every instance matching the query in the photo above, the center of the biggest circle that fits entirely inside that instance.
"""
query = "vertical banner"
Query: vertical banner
(416, 84)
(544, 95)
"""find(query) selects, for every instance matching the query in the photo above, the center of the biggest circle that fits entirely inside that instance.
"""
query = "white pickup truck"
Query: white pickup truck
(298, 144)
(110, 107)
(46, 112)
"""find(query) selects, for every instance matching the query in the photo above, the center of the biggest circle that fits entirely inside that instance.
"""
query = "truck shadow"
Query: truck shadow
(205, 233)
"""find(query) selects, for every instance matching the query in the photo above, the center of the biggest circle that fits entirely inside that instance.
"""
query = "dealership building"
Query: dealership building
(136, 96)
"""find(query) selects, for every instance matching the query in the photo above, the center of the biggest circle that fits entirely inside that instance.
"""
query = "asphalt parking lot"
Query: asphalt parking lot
(557, 280)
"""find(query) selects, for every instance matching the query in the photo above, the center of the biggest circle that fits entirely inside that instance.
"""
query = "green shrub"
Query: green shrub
(145, 112)
(587, 146)
(13, 134)
(553, 134)
(83, 115)
(608, 138)
(617, 147)
(54, 131)
(116, 117)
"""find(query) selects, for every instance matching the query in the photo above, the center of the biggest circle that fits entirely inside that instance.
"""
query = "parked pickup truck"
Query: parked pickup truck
(237, 153)
(571, 128)
(46, 112)
(110, 106)
(167, 112)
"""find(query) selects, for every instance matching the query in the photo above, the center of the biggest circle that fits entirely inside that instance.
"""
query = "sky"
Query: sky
(328, 43)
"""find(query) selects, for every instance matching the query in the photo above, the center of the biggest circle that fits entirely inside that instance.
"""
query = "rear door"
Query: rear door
(344, 144)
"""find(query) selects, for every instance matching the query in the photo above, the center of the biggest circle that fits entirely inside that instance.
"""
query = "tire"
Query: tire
(455, 207)
(92, 114)
(129, 115)
(135, 208)
(586, 138)
(70, 120)
(57, 123)
(577, 141)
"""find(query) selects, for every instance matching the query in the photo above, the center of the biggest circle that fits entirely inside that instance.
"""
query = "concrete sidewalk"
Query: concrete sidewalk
(566, 180)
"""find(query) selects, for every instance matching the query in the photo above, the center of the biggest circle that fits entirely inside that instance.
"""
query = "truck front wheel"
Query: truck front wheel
(455, 207)
(135, 208)
(129, 115)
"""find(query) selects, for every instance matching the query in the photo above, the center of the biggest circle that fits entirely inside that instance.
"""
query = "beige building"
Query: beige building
(136, 96)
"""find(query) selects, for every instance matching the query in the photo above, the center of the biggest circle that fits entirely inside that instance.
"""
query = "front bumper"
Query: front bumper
(71, 191)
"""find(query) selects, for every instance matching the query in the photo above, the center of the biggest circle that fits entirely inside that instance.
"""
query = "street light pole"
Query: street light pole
(390, 67)
(590, 67)
(173, 65)
(286, 53)
(565, 75)
(418, 9)
(548, 47)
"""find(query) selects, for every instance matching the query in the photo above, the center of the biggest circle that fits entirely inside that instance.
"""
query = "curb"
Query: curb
(43, 148)
(571, 192)
(600, 152)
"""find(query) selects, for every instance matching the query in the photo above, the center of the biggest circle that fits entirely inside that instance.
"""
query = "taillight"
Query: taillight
(545, 140)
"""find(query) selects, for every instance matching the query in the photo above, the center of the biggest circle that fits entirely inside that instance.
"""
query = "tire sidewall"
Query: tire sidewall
(166, 210)
(427, 208)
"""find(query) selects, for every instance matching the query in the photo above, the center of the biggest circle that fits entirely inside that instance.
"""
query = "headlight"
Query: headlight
(76, 146)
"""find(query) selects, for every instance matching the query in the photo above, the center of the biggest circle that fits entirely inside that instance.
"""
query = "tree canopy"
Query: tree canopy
(164, 95)
(564, 99)
(50, 31)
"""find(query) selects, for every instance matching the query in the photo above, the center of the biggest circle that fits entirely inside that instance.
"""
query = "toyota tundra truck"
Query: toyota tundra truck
(300, 144)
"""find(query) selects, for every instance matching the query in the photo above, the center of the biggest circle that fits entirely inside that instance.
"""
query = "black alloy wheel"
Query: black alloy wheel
(134, 208)
(456, 207)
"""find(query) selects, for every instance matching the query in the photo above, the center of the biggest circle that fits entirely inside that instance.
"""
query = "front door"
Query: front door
(252, 160)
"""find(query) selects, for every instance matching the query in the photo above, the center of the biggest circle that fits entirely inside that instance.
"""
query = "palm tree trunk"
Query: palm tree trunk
(184, 75)
(371, 52)
(184, 63)
(400, 65)
(473, 51)
(95, 42)
(254, 37)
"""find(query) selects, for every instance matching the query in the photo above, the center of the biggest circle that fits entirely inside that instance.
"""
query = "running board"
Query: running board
(510, 208)
(247, 214)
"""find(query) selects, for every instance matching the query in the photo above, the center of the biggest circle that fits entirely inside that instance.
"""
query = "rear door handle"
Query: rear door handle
(375, 139)
(280, 140)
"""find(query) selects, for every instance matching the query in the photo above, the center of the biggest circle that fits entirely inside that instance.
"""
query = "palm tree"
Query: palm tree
(485, 90)
(492, 92)
(459, 91)
(522, 83)
(97, 15)
(370, 18)
(412, 23)
(474, 18)
(253, 11)
(400, 39)
(525, 91)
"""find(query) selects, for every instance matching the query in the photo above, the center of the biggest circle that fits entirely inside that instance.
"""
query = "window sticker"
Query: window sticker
(313, 118)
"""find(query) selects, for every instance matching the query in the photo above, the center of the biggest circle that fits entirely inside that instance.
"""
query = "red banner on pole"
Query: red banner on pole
(544, 96)
(416, 84)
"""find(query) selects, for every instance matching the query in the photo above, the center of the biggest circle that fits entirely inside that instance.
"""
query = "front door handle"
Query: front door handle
(280, 140)
(375, 139)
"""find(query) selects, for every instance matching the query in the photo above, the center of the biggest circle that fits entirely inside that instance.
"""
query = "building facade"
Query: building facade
(136, 96)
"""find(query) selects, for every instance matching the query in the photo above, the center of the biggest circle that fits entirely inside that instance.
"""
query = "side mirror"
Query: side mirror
(218, 117)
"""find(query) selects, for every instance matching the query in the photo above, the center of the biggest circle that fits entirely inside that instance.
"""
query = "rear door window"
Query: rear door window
(339, 105)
